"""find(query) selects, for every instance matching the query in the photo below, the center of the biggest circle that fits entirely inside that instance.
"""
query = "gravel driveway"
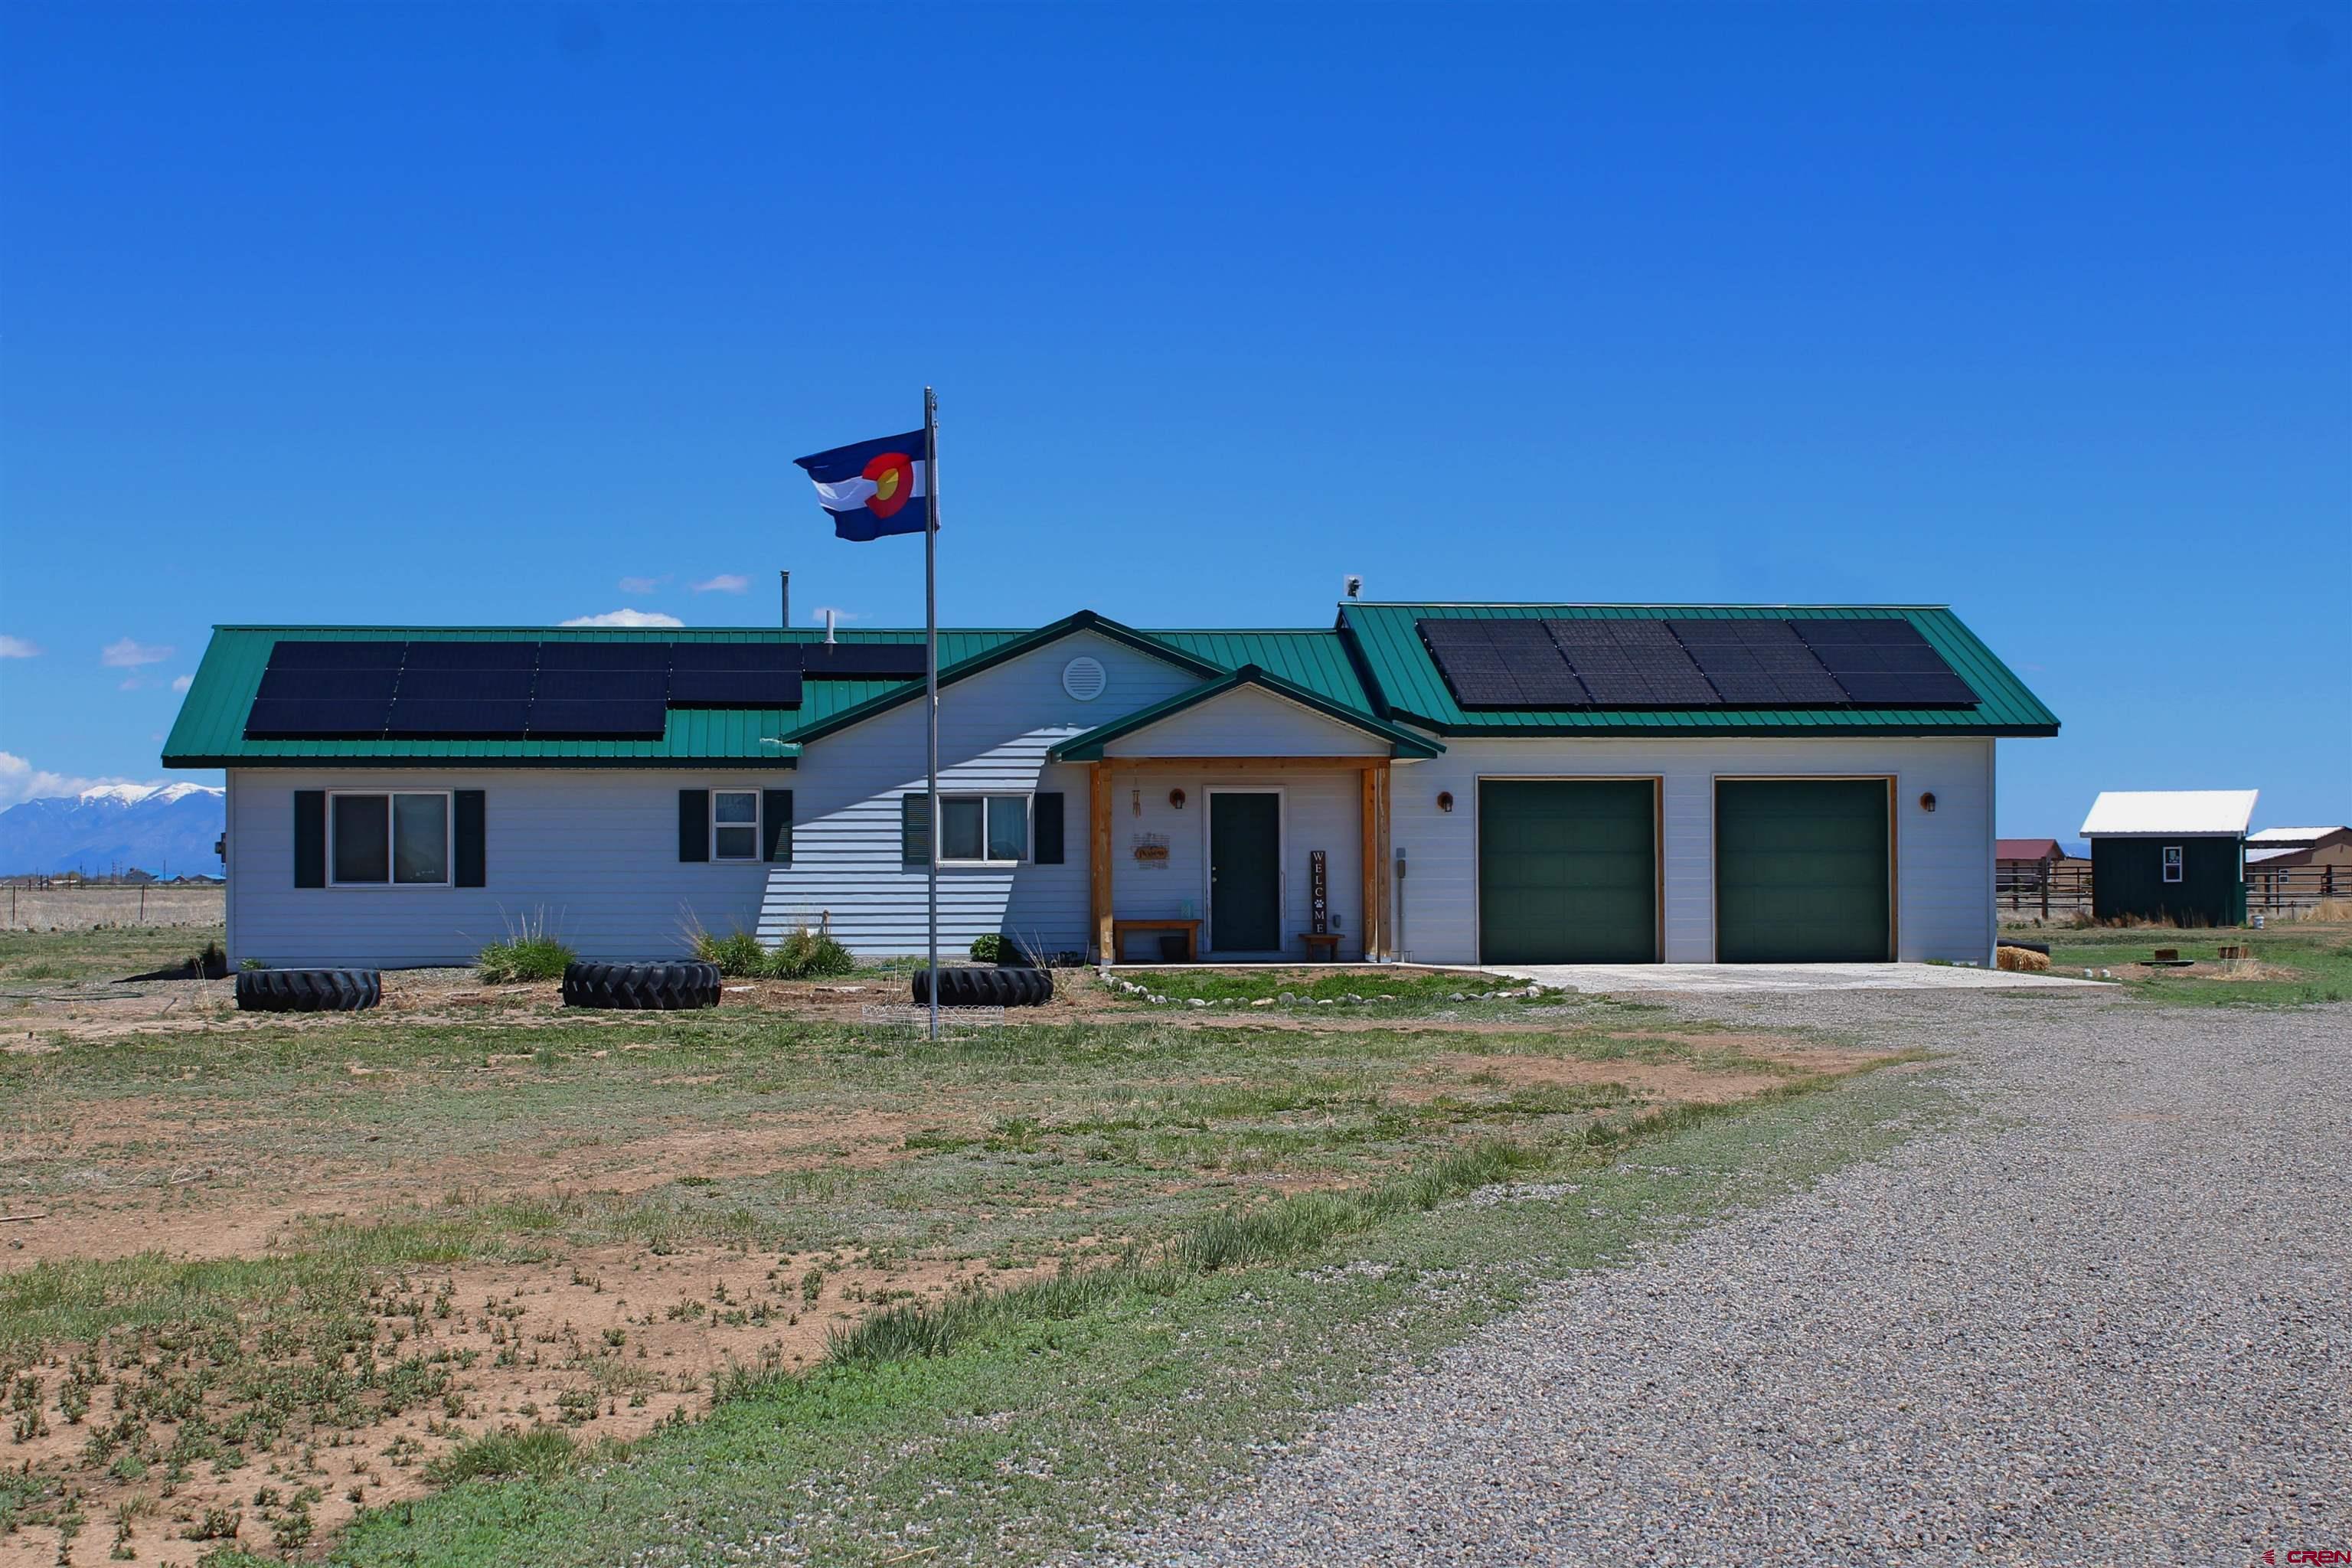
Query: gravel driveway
(2109, 1321)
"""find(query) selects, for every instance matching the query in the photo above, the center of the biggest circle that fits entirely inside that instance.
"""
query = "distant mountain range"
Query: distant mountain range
(166, 830)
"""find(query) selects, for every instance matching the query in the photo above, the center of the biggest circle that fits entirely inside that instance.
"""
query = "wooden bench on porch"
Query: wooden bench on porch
(1120, 928)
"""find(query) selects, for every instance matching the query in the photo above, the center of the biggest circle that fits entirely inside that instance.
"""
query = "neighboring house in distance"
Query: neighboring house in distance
(2170, 854)
(1507, 784)
(2287, 848)
(2027, 863)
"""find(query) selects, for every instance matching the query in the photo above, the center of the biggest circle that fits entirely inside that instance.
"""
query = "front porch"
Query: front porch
(1239, 859)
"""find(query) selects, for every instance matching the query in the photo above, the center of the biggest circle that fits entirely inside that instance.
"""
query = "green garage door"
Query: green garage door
(1800, 873)
(1568, 871)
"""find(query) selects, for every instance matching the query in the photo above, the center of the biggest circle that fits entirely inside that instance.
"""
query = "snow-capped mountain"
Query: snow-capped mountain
(162, 829)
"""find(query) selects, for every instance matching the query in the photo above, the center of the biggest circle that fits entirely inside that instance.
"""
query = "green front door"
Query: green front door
(1800, 871)
(1568, 871)
(1245, 872)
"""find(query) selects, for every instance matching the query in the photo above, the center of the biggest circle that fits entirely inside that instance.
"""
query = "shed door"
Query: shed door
(1568, 871)
(1800, 871)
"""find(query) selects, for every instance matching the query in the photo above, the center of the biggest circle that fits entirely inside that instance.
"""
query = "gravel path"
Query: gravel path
(2110, 1322)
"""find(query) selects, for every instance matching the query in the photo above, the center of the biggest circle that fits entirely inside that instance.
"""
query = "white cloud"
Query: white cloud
(125, 654)
(625, 618)
(838, 613)
(131, 683)
(641, 585)
(725, 582)
(181, 682)
(20, 780)
(17, 647)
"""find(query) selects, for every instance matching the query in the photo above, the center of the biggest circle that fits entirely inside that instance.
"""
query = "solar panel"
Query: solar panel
(735, 688)
(452, 654)
(1633, 663)
(631, 719)
(457, 718)
(601, 685)
(311, 682)
(1503, 664)
(1884, 662)
(340, 654)
(733, 656)
(604, 656)
(1758, 663)
(862, 660)
(465, 685)
(314, 719)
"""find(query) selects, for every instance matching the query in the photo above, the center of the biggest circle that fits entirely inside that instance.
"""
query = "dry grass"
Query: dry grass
(84, 908)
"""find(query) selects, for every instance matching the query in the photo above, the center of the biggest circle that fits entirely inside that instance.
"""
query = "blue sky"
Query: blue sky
(515, 314)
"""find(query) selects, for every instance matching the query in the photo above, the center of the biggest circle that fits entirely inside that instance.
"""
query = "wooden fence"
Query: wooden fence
(2064, 889)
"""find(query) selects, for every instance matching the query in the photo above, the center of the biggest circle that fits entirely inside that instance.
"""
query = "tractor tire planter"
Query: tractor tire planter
(308, 990)
(671, 986)
(963, 987)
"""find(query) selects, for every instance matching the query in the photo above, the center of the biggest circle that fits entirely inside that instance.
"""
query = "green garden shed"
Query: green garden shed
(2176, 856)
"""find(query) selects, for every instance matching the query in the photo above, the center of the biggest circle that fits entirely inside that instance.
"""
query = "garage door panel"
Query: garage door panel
(1802, 871)
(1568, 871)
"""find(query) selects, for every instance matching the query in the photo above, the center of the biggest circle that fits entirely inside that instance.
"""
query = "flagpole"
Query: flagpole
(932, 675)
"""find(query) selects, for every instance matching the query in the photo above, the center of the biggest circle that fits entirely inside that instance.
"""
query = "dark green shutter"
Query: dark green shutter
(776, 817)
(472, 860)
(693, 825)
(310, 839)
(1568, 871)
(1800, 871)
(914, 829)
(1046, 821)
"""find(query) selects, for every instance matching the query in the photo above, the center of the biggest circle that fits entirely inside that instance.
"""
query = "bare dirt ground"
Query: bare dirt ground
(273, 1424)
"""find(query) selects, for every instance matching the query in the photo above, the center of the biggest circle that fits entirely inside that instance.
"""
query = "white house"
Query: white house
(1434, 782)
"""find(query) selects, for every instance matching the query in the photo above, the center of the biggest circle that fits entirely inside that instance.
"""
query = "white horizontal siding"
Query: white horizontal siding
(995, 729)
(1944, 859)
(1248, 723)
(591, 853)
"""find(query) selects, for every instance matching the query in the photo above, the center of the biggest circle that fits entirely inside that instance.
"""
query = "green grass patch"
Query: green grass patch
(2293, 965)
(1393, 989)
(99, 953)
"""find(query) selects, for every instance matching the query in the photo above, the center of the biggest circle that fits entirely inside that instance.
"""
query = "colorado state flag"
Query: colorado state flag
(874, 487)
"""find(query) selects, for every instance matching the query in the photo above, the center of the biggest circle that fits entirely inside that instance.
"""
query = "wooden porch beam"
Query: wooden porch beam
(1098, 860)
(1242, 765)
(1383, 874)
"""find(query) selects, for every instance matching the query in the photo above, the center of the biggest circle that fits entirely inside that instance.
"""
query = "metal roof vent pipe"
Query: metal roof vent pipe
(829, 615)
(1352, 584)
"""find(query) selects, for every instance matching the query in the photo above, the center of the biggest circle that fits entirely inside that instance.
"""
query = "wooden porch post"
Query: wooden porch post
(1099, 859)
(1385, 874)
(1370, 825)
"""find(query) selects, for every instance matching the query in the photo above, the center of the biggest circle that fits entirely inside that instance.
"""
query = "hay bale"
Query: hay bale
(2022, 960)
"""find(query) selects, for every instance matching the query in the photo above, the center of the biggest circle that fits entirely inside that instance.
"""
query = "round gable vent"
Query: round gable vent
(1083, 677)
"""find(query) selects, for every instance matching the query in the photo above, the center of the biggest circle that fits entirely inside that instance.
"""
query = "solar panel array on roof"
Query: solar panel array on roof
(323, 688)
(1633, 663)
(1886, 663)
(1503, 664)
(735, 675)
(862, 660)
(1756, 663)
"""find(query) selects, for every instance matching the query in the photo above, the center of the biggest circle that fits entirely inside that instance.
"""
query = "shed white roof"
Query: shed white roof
(2256, 856)
(2291, 837)
(2188, 812)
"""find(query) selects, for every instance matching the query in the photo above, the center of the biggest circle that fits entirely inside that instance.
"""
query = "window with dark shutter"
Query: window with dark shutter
(914, 829)
(776, 822)
(693, 825)
(472, 862)
(310, 839)
(1046, 823)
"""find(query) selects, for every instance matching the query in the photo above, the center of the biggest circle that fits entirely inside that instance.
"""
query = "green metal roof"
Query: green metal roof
(1088, 747)
(1405, 684)
(1372, 667)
